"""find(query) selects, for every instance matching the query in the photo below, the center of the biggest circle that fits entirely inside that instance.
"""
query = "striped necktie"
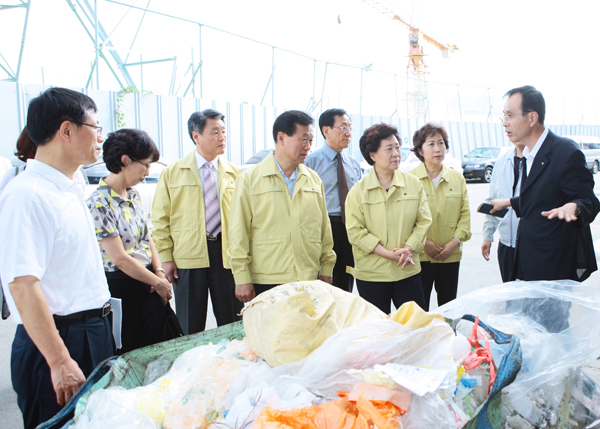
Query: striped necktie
(211, 202)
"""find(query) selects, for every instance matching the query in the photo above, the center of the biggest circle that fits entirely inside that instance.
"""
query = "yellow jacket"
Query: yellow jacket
(178, 219)
(394, 218)
(277, 239)
(449, 209)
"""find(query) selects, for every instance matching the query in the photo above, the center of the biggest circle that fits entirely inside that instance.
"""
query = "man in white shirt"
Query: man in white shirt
(506, 183)
(51, 269)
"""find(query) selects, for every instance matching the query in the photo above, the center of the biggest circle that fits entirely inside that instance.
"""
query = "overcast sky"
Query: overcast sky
(550, 44)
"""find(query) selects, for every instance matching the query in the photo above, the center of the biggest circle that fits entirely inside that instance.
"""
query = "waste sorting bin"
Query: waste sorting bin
(128, 370)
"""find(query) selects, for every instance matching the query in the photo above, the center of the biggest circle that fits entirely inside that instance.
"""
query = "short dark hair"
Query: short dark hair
(26, 148)
(327, 118)
(371, 139)
(197, 121)
(51, 108)
(136, 144)
(287, 121)
(423, 133)
(532, 101)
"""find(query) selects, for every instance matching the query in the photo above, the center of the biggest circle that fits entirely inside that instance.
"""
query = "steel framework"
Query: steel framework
(4, 64)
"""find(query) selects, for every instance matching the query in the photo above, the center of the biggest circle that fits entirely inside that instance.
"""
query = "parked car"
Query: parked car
(590, 146)
(93, 173)
(479, 163)
(256, 158)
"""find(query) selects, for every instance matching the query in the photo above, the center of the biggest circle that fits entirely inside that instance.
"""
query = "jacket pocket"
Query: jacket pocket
(270, 256)
(186, 242)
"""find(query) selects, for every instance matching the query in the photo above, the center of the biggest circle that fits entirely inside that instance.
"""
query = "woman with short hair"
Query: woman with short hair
(131, 263)
(387, 218)
(446, 192)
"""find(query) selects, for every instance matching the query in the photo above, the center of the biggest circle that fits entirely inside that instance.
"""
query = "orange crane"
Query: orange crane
(416, 69)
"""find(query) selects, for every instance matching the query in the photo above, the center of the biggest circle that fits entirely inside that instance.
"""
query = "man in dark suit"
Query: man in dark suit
(557, 201)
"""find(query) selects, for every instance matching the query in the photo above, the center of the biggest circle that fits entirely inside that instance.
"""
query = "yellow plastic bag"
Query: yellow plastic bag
(413, 316)
(287, 323)
(338, 414)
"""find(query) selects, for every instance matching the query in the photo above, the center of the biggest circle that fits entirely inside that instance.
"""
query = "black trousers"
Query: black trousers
(144, 317)
(89, 342)
(381, 294)
(191, 293)
(506, 261)
(260, 288)
(445, 278)
(343, 252)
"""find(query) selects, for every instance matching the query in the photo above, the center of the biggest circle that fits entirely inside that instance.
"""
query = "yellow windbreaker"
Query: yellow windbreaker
(178, 218)
(393, 218)
(275, 238)
(449, 206)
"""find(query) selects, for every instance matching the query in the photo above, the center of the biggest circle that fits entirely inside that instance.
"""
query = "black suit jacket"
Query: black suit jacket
(552, 249)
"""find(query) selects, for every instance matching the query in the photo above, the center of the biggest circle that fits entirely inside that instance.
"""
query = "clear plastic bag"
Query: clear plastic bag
(558, 324)
(361, 346)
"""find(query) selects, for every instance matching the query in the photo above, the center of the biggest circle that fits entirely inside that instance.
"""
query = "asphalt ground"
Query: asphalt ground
(475, 273)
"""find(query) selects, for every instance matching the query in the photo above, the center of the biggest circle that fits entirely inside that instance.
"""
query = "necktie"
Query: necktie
(517, 173)
(342, 184)
(523, 173)
(211, 202)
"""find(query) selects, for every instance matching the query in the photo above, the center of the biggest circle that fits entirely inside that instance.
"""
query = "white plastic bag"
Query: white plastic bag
(558, 324)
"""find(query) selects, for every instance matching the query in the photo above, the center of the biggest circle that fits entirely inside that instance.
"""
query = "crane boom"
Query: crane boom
(416, 67)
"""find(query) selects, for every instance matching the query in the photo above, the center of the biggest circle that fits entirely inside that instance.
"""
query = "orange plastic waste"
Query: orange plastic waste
(338, 414)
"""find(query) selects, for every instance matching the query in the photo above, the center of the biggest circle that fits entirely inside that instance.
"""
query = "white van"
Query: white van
(590, 147)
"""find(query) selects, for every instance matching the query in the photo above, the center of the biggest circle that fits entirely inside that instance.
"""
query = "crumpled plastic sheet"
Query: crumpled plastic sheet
(360, 346)
(558, 324)
(190, 395)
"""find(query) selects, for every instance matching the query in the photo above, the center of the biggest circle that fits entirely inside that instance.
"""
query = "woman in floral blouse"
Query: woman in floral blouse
(131, 263)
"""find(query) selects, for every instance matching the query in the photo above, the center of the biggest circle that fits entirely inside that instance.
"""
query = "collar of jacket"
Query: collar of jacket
(269, 167)
(421, 172)
(372, 182)
(189, 161)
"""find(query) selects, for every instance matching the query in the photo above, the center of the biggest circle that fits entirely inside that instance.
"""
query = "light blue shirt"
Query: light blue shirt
(291, 182)
(323, 161)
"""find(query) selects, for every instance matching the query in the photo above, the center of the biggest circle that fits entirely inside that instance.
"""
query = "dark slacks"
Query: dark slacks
(89, 342)
(260, 288)
(145, 320)
(191, 293)
(506, 261)
(343, 252)
(132, 294)
(381, 294)
(445, 278)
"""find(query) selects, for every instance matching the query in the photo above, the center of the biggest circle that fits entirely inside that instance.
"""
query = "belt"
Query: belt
(213, 237)
(336, 218)
(90, 314)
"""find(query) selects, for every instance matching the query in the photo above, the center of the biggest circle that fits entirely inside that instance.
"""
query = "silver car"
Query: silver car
(590, 146)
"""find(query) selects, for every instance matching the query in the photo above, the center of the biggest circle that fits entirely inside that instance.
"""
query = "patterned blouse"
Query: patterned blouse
(115, 216)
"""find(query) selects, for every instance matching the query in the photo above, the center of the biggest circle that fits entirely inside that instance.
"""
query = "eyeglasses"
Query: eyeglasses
(96, 127)
(147, 166)
(506, 118)
(344, 129)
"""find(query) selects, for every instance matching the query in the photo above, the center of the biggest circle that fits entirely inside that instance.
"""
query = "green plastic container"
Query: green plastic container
(128, 370)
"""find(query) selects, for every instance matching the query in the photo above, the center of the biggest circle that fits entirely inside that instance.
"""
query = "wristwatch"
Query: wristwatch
(156, 270)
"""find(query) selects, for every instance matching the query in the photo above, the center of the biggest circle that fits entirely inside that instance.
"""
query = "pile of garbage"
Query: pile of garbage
(318, 357)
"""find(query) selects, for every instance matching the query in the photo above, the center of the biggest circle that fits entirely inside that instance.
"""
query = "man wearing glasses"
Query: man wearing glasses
(190, 216)
(339, 172)
(51, 269)
(557, 202)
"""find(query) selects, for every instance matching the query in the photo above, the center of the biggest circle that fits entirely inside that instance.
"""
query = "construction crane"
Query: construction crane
(416, 69)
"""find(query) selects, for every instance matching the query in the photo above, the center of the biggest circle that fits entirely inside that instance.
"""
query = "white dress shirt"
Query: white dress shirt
(47, 232)
(214, 169)
(530, 155)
